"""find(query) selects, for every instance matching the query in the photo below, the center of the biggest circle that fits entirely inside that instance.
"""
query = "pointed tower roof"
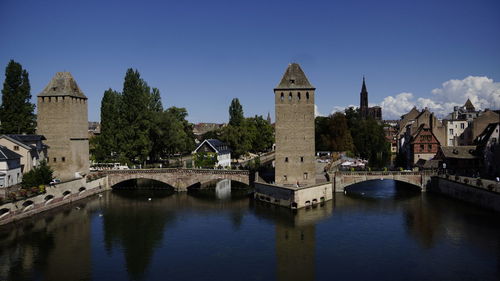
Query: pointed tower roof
(294, 78)
(62, 84)
(363, 87)
(469, 106)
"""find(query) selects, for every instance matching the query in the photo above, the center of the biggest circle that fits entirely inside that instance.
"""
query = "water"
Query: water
(378, 230)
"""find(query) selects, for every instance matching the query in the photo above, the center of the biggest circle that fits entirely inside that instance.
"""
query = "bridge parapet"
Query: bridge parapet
(343, 179)
(178, 178)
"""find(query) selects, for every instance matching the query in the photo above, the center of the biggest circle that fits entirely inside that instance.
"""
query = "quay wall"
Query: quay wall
(293, 197)
(55, 196)
(483, 193)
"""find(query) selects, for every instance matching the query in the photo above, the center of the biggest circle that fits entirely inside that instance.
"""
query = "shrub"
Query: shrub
(479, 182)
(37, 176)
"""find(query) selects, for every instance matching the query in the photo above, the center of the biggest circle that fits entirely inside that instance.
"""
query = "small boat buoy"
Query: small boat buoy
(78, 208)
(149, 199)
(381, 179)
(100, 195)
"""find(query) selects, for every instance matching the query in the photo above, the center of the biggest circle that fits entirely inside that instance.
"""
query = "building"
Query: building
(479, 124)
(391, 132)
(62, 119)
(488, 148)
(424, 144)
(466, 112)
(217, 147)
(294, 129)
(10, 168)
(456, 132)
(365, 111)
(460, 160)
(30, 147)
(202, 128)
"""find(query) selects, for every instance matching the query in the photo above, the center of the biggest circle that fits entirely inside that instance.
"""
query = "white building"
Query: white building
(456, 132)
(219, 148)
(10, 167)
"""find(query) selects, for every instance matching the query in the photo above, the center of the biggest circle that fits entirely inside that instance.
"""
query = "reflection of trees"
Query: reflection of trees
(138, 225)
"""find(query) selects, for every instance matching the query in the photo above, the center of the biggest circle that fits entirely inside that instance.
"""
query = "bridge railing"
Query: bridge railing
(178, 170)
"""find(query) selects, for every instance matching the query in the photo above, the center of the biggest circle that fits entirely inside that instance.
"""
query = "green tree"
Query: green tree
(235, 113)
(260, 132)
(42, 174)
(17, 112)
(333, 134)
(136, 115)
(108, 143)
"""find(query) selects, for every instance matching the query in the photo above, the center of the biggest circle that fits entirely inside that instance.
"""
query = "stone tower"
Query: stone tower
(62, 119)
(294, 102)
(363, 100)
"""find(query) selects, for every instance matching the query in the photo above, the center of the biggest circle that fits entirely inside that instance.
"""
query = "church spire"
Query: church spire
(363, 104)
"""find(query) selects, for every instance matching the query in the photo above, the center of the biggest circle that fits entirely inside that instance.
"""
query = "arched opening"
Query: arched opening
(4, 212)
(290, 96)
(66, 194)
(298, 96)
(81, 190)
(28, 204)
(382, 189)
(282, 97)
(48, 199)
(219, 189)
(307, 96)
(142, 184)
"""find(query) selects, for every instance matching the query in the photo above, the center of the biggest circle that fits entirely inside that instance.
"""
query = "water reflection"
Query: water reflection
(392, 233)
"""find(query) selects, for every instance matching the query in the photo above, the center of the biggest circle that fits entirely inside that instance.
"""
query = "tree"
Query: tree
(108, 143)
(136, 115)
(17, 112)
(235, 113)
(260, 132)
(42, 174)
(333, 134)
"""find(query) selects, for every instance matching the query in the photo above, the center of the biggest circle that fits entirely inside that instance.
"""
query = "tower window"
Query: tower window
(282, 96)
(54, 160)
(286, 159)
(305, 176)
(290, 96)
(298, 95)
(307, 95)
(63, 159)
(292, 81)
(302, 159)
(284, 178)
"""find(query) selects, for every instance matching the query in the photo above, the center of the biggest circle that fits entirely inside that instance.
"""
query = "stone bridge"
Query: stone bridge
(343, 179)
(179, 179)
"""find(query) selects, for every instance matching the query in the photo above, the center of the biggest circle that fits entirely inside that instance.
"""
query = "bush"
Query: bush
(37, 176)
(479, 182)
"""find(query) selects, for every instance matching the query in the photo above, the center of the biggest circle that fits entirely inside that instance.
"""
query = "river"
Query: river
(379, 230)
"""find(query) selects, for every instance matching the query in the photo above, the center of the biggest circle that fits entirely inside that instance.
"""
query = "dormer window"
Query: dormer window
(292, 81)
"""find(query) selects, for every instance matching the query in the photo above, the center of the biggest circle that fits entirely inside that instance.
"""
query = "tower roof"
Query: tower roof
(294, 78)
(363, 87)
(469, 106)
(62, 84)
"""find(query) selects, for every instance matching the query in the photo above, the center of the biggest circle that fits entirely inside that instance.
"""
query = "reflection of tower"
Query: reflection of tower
(223, 189)
(295, 252)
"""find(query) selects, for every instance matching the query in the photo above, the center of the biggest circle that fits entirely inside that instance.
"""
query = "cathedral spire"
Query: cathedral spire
(363, 104)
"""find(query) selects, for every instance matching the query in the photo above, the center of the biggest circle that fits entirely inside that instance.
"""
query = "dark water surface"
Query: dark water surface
(379, 230)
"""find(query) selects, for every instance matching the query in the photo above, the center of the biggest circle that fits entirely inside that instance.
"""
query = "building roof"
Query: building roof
(363, 87)
(459, 152)
(7, 154)
(294, 78)
(27, 138)
(62, 84)
(17, 141)
(483, 138)
(217, 145)
(469, 106)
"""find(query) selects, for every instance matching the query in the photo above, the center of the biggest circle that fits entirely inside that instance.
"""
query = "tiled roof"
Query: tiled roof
(460, 152)
(7, 154)
(294, 78)
(62, 84)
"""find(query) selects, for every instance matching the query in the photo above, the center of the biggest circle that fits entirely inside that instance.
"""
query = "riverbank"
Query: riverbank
(55, 196)
(481, 192)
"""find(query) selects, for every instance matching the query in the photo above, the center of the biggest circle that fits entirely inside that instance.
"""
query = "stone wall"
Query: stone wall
(291, 197)
(57, 195)
(486, 194)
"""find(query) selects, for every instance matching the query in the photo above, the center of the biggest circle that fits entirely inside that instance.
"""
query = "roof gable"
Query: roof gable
(16, 141)
(294, 78)
(62, 84)
(7, 154)
(215, 145)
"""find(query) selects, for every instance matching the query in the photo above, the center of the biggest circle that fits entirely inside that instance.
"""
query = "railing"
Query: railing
(178, 170)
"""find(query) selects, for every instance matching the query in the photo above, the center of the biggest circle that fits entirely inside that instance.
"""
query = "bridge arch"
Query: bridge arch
(343, 180)
(412, 184)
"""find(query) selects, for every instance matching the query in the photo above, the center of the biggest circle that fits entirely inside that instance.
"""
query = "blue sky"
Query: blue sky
(201, 54)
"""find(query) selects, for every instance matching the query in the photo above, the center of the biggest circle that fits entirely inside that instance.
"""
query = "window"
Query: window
(451, 131)
(307, 95)
(305, 176)
(284, 178)
(462, 126)
(302, 159)
(16, 147)
(54, 160)
(286, 159)
(63, 159)
(429, 146)
(298, 95)
(290, 96)
(421, 147)
(282, 96)
(292, 81)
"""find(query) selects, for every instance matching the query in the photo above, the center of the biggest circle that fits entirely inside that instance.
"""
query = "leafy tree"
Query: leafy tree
(205, 160)
(17, 112)
(260, 132)
(333, 134)
(108, 143)
(235, 113)
(136, 115)
(42, 174)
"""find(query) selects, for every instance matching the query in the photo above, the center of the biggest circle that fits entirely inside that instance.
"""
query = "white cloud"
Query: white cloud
(341, 108)
(316, 111)
(482, 91)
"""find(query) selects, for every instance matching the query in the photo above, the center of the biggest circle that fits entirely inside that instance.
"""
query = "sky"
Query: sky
(202, 54)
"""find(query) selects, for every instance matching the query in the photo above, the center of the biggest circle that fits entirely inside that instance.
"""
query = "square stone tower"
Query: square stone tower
(62, 119)
(294, 128)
